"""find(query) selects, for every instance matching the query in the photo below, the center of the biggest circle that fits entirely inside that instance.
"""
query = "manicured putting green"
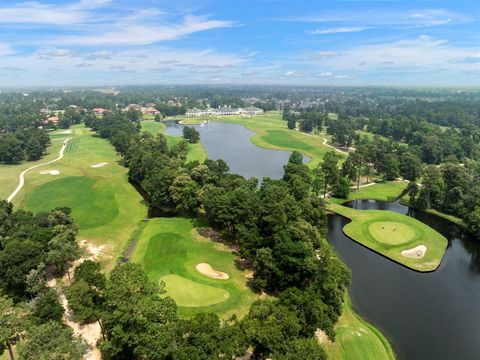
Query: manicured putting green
(391, 232)
(375, 230)
(189, 293)
(170, 250)
(92, 201)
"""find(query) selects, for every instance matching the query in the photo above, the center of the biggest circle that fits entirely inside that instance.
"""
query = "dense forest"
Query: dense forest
(279, 228)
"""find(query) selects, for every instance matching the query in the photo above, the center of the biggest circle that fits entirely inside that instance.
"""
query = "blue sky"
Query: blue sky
(298, 42)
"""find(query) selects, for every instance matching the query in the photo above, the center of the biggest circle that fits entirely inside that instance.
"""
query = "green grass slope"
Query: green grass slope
(104, 204)
(170, 249)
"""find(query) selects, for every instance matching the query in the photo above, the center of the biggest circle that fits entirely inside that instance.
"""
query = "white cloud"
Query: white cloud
(387, 18)
(293, 74)
(5, 49)
(41, 13)
(103, 55)
(342, 77)
(146, 34)
(327, 54)
(338, 30)
(325, 74)
(46, 54)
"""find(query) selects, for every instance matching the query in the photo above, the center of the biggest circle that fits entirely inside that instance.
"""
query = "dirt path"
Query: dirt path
(21, 178)
(333, 147)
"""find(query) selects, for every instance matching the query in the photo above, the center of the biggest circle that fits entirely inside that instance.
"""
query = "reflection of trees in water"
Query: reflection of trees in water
(448, 229)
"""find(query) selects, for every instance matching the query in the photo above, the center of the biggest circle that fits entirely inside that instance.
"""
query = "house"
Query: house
(135, 107)
(195, 112)
(99, 111)
(225, 111)
(252, 111)
(151, 111)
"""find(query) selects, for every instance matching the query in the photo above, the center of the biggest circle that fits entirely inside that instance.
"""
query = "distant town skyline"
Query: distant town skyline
(102, 42)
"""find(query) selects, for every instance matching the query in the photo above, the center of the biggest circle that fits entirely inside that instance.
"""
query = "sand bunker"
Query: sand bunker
(99, 165)
(417, 252)
(207, 270)
(50, 172)
(63, 132)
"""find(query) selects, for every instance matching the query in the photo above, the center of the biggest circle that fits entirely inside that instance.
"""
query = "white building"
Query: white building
(225, 111)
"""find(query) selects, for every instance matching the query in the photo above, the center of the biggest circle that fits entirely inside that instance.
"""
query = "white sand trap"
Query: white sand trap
(63, 132)
(417, 252)
(207, 270)
(99, 165)
(49, 172)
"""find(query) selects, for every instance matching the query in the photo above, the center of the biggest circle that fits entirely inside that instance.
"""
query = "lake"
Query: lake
(231, 143)
(424, 315)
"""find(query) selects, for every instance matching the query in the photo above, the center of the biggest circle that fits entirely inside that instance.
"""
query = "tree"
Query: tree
(191, 134)
(389, 167)
(12, 323)
(329, 169)
(305, 349)
(11, 151)
(410, 166)
(81, 301)
(34, 149)
(341, 188)
(135, 313)
(51, 341)
(47, 307)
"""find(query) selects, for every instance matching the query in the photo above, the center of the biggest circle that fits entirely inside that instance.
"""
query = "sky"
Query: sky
(51, 43)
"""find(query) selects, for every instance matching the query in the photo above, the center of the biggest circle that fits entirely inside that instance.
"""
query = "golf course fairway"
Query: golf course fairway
(171, 248)
(398, 237)
(106, 207)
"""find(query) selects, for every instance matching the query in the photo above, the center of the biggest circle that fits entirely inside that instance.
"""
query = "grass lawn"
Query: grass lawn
(272, 133)
(195, 151)
(387, 191)
(193, 121)
(390, 233)
(104, 204)
(357, 339)
(170, 249)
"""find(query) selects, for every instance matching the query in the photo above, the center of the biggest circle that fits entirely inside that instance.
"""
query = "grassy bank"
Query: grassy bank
(387, 191)
(171, 248)
(392, 234)
(357, 339)
(195, 151)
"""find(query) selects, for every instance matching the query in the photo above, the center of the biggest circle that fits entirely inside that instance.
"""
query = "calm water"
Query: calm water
(231, 143)
(424, 315)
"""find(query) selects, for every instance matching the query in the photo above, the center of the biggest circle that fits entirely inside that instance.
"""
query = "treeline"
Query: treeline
(32, 249)
(452, 189)
(23, 144)
(279, 228)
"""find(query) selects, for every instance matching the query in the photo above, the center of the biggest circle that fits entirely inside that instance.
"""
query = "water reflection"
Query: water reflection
(426, 316)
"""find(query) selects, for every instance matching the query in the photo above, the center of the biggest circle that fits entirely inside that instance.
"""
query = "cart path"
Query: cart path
(21, 178)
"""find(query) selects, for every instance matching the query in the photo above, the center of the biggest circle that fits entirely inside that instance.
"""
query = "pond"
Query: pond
(424, 315)
(231, 142)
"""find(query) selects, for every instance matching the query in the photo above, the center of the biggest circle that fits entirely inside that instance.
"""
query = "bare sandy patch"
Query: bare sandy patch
(63, 132)
(417, 252)
(49, 172)
(99, 165)
(93, 250)
(207, 270)
(322, 336)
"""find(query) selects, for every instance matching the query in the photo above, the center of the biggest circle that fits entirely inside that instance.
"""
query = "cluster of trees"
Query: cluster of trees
(32, 248)
(191, 134)
(308, 120)
(138, 321)
(279, 227)
(452, 189)
(23, 144)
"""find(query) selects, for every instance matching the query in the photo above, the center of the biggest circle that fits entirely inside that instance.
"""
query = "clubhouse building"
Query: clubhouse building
(225, 111)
